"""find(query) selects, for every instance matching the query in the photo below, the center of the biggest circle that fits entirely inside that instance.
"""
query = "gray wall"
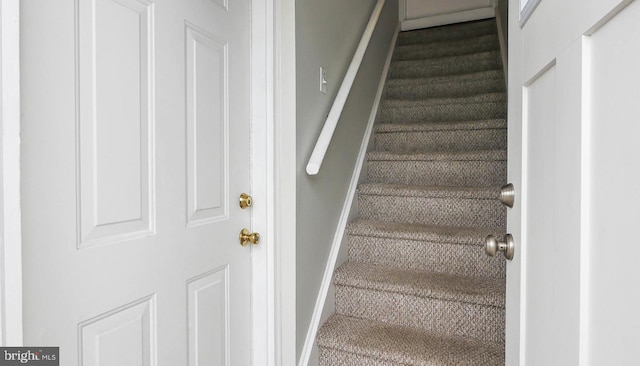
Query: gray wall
(503, 9)
(327, 34)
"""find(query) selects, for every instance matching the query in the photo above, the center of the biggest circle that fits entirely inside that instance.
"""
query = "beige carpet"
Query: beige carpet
(417, 288)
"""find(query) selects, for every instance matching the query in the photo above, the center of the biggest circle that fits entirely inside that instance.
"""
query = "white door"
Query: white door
(574, 126)
(135, 147)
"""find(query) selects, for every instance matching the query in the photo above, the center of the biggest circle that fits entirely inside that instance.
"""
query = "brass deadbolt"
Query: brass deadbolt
(245, 200)
(247, 237)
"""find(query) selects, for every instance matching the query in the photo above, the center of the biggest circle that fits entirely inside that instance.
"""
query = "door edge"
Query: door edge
(10, 225)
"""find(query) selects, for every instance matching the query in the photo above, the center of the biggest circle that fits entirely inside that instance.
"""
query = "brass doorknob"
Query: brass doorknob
(492, 246)
(247, 237)
(245, 200)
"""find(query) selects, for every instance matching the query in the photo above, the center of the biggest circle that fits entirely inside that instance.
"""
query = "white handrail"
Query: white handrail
(322, 144)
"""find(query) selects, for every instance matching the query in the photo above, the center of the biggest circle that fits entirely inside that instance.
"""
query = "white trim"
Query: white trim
(524, 155)
(449, 18)
(585, 202)
(10, 224)
(262, 281)
(503, 43)
(283, 148)
(338, 238)
(329, 127)
(402, 10)
(529, 7)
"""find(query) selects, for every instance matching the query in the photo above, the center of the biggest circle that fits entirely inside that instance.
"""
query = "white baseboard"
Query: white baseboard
(449, 18)
(316, 317)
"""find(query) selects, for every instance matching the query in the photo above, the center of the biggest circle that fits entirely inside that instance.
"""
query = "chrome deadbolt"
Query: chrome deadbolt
(492, 246)
(247, 237)
(508, 195)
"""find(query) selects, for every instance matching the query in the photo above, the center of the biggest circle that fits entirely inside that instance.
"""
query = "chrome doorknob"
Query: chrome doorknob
(492, 246)
(247, 237)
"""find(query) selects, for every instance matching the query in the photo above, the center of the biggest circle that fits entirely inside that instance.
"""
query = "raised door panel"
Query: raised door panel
(209, 319)
(114, 120)
(613, 174)
(207, 127)
(125, 336)
(539, 153)
(551, 202)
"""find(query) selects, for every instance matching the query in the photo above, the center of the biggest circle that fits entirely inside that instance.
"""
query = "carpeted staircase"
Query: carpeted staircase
(418, 288)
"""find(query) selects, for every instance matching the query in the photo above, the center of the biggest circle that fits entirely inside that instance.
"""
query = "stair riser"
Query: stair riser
(447, 34)
(470, 260)
(332, 357)
(450, 140)
(433, 210)
(444, 67)
(450, 318)
(474, 45)
(446, 89)
(438, 173)
(445, 112)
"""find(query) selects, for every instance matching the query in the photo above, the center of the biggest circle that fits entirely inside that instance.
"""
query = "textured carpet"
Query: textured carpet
(417, 288)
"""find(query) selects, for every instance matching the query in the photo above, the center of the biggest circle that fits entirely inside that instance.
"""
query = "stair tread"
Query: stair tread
(406, 346)
(441, 126)
(472, 76)
(443, 286)
(456, 155)
(416, 103)
(387, 189)
(422, 232)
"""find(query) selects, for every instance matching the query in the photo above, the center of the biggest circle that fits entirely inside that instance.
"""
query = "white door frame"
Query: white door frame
(273, 181)
(10, 228)
(273, 115)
